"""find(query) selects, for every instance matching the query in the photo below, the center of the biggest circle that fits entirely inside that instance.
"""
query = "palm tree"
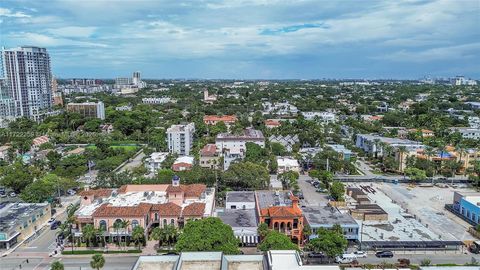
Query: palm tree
(171, 233)
(117, 225)
(157, 235)
(376, 142)
(57, 265)
(97, 262)
(401, 151)
(88, 233)
(138, 234)
(70, 220)
(124, 225)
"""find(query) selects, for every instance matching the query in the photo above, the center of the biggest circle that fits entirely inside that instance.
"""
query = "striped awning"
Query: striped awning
(249, 239)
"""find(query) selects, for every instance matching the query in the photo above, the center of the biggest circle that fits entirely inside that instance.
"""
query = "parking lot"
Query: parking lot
(312, 198)
(427, 204)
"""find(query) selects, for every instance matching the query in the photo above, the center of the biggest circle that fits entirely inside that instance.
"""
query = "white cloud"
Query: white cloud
(5, 12)
(73, 31)
(457, 52)
(48, 41)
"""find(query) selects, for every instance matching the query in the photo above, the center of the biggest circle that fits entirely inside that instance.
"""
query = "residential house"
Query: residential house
(272, 123)
(287, 141)
(183, 163)
(211, 120)
(38, 141)
(209, 157)
(154, 162)
(342, 151)
(231, 155)
(287, 164)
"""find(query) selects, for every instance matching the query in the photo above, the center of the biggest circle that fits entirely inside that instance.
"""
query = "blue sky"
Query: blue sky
(245, 39)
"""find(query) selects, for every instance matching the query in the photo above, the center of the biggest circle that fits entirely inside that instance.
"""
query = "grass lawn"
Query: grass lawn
(126, 147)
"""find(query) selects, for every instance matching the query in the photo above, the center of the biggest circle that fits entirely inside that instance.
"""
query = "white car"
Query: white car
(50, 221)
(360, 254)
(13, 194)
(71, 192)
(345, 258)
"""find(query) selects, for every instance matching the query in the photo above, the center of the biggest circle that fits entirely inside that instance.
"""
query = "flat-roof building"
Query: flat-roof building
(19, 221)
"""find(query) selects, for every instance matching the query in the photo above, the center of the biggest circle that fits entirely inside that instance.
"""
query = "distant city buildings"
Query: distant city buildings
(461, 80)
(88, 109)
(180, 139)
(27, 89)
(130, 85)
(208, 98)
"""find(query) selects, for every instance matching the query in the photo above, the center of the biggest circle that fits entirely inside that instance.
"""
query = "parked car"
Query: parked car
(360, 254)
(50, 221)
(316, 255)
(55, 224)
(13, 194)
(71, 192)
(345, 258)
(384, 254)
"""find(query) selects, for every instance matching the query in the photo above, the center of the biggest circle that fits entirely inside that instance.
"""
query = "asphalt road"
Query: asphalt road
(312, 198)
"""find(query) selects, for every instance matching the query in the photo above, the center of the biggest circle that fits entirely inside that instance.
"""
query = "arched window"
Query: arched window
(156, 216)
(118, 221)
(165, 222)
(172, 222)
(103, 225)
(134, 223)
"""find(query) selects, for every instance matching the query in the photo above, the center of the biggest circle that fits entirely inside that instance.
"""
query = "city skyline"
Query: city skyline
(250, 39)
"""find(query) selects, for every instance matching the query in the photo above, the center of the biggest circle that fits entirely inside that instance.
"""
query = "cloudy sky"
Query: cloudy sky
(270, 39)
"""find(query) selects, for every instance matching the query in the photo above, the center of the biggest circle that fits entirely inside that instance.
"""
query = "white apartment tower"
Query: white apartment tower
(28, 80)
(136, 78)
(180, 139)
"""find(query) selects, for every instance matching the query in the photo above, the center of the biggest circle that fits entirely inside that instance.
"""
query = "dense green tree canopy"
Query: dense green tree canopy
(208, 234)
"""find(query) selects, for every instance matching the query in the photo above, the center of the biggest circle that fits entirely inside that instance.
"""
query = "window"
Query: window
(134, 223)
(165, 222)
(172, 222)
(103, 225)
(156, 216)
(233, 207)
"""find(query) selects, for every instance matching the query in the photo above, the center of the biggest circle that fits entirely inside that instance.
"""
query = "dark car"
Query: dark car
(316, 255)
(55, 224)
(384, 254)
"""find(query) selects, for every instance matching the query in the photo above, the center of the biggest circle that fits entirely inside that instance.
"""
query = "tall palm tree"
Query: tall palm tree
(117, 225)
(171, 233)
(376, 142)
(138, 234)
(89, 233)
(157, 234)
(124, 225)
(97, 262)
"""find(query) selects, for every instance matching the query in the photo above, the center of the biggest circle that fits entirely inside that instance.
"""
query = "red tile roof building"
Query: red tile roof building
(214, 119)
(144, 205)
(281, 212)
